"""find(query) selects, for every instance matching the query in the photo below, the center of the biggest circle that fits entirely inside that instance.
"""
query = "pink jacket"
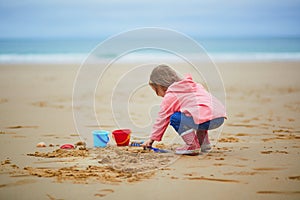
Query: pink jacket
(190, 98)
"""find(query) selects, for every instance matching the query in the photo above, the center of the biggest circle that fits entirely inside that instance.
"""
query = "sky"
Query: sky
(99, 18)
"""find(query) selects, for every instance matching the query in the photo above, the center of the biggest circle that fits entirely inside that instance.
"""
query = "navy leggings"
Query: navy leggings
(182, 123)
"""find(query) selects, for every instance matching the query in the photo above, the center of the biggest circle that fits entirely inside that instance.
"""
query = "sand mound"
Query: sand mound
(113, 164)
(61, 153)
(133, 159)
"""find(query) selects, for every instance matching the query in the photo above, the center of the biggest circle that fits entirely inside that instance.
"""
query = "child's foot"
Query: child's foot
(205, 148)
(204, 140)
(187, 150)
(192, 146)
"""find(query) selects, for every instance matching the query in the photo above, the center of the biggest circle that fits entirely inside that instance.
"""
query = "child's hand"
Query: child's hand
(148, 143)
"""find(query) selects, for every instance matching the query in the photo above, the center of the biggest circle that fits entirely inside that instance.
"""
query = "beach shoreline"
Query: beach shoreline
(256, 156)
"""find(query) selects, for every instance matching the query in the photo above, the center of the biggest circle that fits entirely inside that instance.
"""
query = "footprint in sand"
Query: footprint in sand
(242, 173)
(43, 104)
(213, 179)
(242, 125)
(294, 178)
(268, 169)
(3, 100)
(17, 127)
(40, 104)
(282, 131)
(20, 182)
(104, 192)
(3, 132)
(243, 159)
(271, 152)
(52, 198)
(282, 137)
(218, 164)
(278, 192)
(48, 135)
(291, 119)
(242, 148)
(243, 134)
(229, 140)
(240, 115)
(19, 136)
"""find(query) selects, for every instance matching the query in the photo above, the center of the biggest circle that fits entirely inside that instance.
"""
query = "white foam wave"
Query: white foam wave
(42, 58)
(248, 57)
(79, 58)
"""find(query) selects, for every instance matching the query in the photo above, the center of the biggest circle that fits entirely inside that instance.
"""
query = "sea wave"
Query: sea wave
(248, 57)
(140, 57)
(41, 58)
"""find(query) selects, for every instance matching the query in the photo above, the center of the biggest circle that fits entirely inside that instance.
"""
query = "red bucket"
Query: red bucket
(122, 137)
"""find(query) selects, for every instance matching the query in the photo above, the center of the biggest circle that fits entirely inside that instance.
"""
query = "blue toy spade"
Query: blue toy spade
(157, 150)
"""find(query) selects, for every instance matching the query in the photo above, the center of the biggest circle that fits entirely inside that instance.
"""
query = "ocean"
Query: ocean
(77, 50)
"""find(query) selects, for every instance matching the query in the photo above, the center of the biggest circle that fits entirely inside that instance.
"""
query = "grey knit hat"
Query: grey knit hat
(163, 75)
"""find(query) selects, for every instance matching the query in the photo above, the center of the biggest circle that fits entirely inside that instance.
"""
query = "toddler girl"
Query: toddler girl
(186, 106)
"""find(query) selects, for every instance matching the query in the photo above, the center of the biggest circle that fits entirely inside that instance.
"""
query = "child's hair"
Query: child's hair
(163, 75)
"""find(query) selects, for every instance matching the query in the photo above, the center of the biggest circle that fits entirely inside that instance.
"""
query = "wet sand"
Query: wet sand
(255, 157)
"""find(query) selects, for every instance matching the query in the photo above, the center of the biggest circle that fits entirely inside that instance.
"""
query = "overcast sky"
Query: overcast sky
(96, 18)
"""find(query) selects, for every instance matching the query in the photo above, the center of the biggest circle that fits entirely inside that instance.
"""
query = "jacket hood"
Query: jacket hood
(185, 85)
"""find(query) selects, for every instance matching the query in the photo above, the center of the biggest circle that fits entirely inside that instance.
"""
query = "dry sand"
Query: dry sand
(256, 156)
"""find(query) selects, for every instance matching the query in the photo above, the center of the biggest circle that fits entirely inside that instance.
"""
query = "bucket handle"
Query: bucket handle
(126, 140)
(102, 140)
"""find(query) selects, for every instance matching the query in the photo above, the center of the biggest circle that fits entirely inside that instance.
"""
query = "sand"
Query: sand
(255, 157)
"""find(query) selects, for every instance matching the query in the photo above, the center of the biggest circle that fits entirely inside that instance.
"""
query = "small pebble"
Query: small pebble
(41, 144)
(80, 143)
